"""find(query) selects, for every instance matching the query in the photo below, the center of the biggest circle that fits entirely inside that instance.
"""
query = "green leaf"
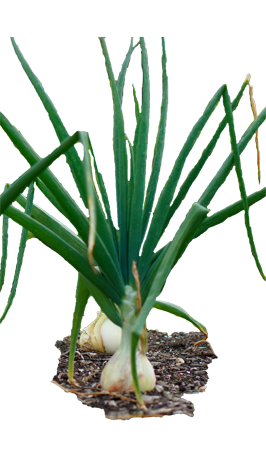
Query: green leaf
(193, 174)
(120, 154)
(12, 192)
(178, 311)
(42, 187)
(134, 345)
(145, 287)
(137, 112)
(22, 246)
(195, 216)
(82, 296)
(136, 135)
(107, 208)
(72, 256)
(158, 151)
(231, 210)
(4, 250)
(122, 73)
(73, 158)
(120, 87)
(131, 180)
(160, 212)
(58, 228)
(140, 157)
(104, 303)
(75, 242)
(193, 219)
(71, 154)
(72, 210)
(228, 164)
(216, 219)
(235, 150)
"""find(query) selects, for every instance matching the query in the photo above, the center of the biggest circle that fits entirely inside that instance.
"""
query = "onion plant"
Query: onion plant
(120, 267)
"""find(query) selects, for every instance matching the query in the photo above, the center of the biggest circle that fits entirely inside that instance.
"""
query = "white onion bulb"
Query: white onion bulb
(101, 335)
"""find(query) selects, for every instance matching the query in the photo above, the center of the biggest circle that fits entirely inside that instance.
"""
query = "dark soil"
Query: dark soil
(179, 368)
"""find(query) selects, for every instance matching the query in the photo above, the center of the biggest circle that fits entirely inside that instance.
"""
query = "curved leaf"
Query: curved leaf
(228, 164)
(160, 212)
(58, 228)
(4, 250)
(158, 150)
(239, 173)
(120, 154)
(62, 248)
(140, 157)
(103, 192)
(104, 303)
(82, 296)
(22, 246)
(193, 174)
(178, 311)
(72, 210)
(12, 192)
(231, 210)
(193, 219)
(71, 154)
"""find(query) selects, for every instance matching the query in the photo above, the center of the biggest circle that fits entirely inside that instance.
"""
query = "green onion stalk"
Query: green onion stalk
(119, 266)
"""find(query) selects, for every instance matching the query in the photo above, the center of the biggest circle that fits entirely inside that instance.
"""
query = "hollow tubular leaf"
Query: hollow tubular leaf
(120, 154)
(72, 256)
(4, 250)
(195, 216)
(140, 157)
(49, 195)
(105, 199)
(178, 311)
(167, 193)
(134, 345)
(231, 210)
(131, 180)
(4, 253)
(97, 216)
(82, 296)
(73, 158)
(120, 86)
(122, 73)
(71, 154)
(193, 174)
(136, 135)
(137, 112)
(104, 303)
(12, 192)
(235, 150)
(72, 210)
(193, 219)
(153, 271)
(213, 220)
(158, 150)
(58, 228)
(228, 164)
(22, 246)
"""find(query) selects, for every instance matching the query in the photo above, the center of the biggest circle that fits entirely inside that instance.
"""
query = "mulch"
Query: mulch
(179, 368)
